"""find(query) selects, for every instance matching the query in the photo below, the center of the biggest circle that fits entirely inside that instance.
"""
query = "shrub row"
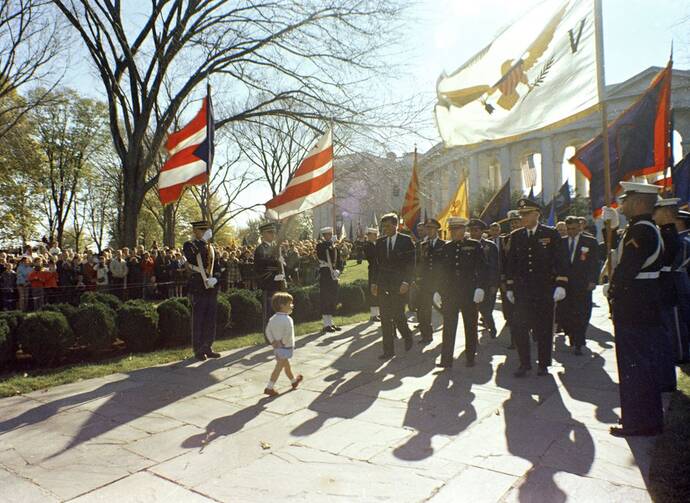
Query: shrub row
(93, 326)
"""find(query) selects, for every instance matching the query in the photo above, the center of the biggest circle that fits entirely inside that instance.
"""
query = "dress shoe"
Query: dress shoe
(386, 356)
(336, 328)
(329, 329)
(377, 318)
(212, 354)
(298, 380)
(408, 343)
(542, 371)
(443, 365)
(577, 351)
(271, 392)
(200, 356)
(631, 432)
(521, 372)
(425, 340)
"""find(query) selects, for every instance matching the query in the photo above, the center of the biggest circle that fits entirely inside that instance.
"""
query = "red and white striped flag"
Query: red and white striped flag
(311, 185)
(190, 152)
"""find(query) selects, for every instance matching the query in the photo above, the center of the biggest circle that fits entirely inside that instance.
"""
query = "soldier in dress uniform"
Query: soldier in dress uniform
(428, 276)
(268, 268)
(463, 287)
(202, 289)
(515, 222)
(536, 280)
(486, 308)
(665, 211)
(582, 269)
(394, 274)
(682, 280)
(330, 267)
(635, 302)
(369, 250)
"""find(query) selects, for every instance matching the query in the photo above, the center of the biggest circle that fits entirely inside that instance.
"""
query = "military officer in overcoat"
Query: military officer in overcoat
(202, 289)
(330, 267)
(515, 222)
(462, 289)
(268, 268)
(429, 276)
(635, 302)
(486, 308)
(536, 279)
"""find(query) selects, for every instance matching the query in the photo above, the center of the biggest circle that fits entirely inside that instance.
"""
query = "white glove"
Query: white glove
(335, 274)
(281, 259)
(279, 277)
(207, 235)
(211, 282)
(478, 296)
(558, 294)
(605, 289)
(510, 296)
(610, 215)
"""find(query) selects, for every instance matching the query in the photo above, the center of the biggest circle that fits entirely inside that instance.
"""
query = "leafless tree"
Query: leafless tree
(265, 55)
(29, 44)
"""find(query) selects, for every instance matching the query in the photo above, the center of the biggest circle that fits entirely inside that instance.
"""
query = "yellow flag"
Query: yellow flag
(459, 206)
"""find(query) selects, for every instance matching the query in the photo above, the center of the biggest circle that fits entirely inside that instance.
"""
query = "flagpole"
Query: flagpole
(601, 85)
(335, 229)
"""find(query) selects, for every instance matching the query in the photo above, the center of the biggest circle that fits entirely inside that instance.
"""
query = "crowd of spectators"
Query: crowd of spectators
(45, 273)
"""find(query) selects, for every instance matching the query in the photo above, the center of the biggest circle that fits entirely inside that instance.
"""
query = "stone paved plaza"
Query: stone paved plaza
(357, 430)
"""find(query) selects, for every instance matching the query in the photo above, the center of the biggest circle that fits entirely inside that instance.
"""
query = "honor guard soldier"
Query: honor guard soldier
(683, 286)
(464, 284)
(535, 281)
(268, 268)
(515, 222)
(582, 269)
(330, 268)
(369, 250)
(429, 276)
(635, 301)
(664, 216)
(394, 273)
(202, 289)
(486, 308)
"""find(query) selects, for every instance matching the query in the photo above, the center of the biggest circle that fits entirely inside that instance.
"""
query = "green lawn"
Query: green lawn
(354, 271)
(669, 473)
(20, 382)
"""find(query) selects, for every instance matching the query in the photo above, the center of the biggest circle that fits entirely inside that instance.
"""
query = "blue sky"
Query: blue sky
(444, 33)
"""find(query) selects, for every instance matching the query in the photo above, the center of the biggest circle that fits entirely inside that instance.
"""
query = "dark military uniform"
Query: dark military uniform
(266, 267)
(506, 307)
(204, 300)
(429, 275)
(493, 280)
(635, 301)
(535, 266)
(682, 284)
(328, 286)
(582, 269)
(464, 270)
(393, 267)
(669, 309)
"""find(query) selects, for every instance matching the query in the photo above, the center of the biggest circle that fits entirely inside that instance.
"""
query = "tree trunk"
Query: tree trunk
(169, 226)
(133, 199)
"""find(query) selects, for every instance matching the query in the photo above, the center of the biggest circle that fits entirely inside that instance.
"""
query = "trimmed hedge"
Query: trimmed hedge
(6, 343)
(223, 315)
(94, 325)
(137, 325)
(174, 321)
(108, 299)
(46, 336)
(68, 310)
(246, 310)
(13, 320)
(352, 299)
(304, 309)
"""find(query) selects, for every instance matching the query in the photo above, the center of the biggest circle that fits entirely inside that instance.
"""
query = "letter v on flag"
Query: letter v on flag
(190, 155)
(311, 184)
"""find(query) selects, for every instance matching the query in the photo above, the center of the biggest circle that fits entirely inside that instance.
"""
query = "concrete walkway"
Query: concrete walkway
(356, 430)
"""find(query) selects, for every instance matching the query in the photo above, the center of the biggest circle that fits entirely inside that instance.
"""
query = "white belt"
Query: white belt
(666, 268)
(648, 275)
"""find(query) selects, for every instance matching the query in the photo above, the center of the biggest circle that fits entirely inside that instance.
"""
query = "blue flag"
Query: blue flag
(552, 218)
(498, 206)
(680, 174)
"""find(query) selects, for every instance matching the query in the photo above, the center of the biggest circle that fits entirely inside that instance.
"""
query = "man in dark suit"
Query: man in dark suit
(428, 276)
(395, 270)
(464, 284)
(486, 308)
(268, 268)
(582, 269)
(536, 279)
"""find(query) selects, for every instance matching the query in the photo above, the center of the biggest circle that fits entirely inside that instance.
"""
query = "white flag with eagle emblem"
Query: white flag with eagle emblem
(538, 72)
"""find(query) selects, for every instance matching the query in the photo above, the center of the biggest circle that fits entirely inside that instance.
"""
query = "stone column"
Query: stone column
(474, 177)
(504, 159)
(547, 169)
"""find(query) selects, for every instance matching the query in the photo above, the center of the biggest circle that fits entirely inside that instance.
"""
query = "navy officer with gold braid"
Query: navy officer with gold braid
(202, 289)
